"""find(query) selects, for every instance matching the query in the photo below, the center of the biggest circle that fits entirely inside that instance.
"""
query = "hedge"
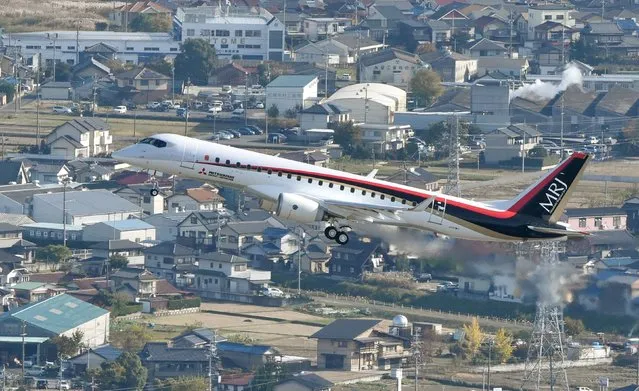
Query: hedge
(180, 304)
(122, 310)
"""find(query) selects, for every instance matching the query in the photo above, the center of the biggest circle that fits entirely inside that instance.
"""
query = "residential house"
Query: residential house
(163, 361)
(317, 29)
(355, 258)
(127, 13)
(131, 250)
(93, 358)
(315, 158)
(236, 381)
(507, 143)
(383, 138)
(83, 172)
(599, 243)
(89, 70)
(382, 20)
(226, 276)
(485, 48)
(82, 137)
(494, 28)
(169, 259)
(248, 357)
(553, 33)
(166, 225)
(12, 273)
(515, 68)
(357, 45)
(56, 90)
(602, 35)
(313, 257)
(57, 315)
(277, 244)
(140, 194)
(439, 32)
(304, 382)
(320, 115)
(234, 236)
(203, 199)
(200, 228)
(631, 207)
(389, 66)
(137, 283)
(327, 52)
(292, 92)
(13, 172)
(548, 59)
(32, 292)
(415, 177)
(232, 74)
(143, 85)
(197, 338)
(541, 13)
(413, 33)
(134, 230)
(358, 345)
(451, 66)
(52, 233)
(576, 106)
(596, 219)
(617, 108)
(49, 172)
(81, 207)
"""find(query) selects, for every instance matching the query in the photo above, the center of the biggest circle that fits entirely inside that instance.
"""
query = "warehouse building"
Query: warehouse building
(372, 103)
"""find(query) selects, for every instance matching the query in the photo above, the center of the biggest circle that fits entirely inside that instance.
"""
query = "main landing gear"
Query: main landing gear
(154, 190)
(341, 237)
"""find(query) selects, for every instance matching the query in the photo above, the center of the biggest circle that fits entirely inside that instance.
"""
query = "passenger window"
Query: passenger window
(217, 160)
(373, 194)
(270, 172)
(248, 166)
(330, 185)
(382, 197)
(404, 202)
(237, 164)
(414, 203)
(310, 180)
(299, 178)
(352, 190)
(259, 169)
(320, 183)
(289, 176)
(228, 162)
(363, 192)
(341, 187)
(392, 199)
(279, 173)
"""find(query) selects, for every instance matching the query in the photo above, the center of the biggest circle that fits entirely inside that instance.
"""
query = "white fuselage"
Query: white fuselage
(234, 167)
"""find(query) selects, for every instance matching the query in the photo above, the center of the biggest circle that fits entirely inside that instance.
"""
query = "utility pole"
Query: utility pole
(490, 350)
(173, 82)
(213, 362)
(416, 350)
(23, 334)
(38, 106)
(246, 98)
(563, 62)
(299, 261)
(186, 109)
(95, 91)
(523, 151)
(64, 211)
(60, 373)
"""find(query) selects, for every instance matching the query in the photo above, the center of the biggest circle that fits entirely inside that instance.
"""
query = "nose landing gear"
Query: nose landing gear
(154, 190)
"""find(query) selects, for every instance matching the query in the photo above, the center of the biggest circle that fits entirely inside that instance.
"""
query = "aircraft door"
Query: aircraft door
(437, 211)
(189, 154)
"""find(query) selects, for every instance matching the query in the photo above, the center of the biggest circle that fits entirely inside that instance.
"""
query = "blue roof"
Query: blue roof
(292, 81)
(617, 261)
(107, 351)
(58, 314)
(275, 232)
(627, 24)
(129, 224)
(241, 348)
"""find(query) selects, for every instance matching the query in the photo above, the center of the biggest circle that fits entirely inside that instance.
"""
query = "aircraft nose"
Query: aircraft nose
(126, 155)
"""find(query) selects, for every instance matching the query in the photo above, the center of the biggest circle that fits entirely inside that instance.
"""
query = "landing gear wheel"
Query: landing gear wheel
(342, 238)
(331, 232)
(154, 192)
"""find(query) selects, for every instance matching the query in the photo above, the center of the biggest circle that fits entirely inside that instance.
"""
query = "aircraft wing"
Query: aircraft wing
(361, 211)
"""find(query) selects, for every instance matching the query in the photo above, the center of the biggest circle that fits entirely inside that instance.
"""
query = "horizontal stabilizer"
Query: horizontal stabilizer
(372, 173)
(559, 231)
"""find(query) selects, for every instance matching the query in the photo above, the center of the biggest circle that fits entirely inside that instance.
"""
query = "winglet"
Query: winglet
(372, 174)
(422, 206)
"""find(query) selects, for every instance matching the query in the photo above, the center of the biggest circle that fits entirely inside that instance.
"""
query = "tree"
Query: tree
(62, 71)
(574, 327)
(126, 372)
(184, 384)
(161, 66)
(130, 337)
(151, 23)
(7, 89)
(268, 376)
(68, 346)
(427, 47)
(290, 113)
(473, 337)
(54, 253)
(118, 261)
(273, 111)
(402, 263)
(195, 62)
(426, 86)
(347, 135)
(503, 345)
(538, 151)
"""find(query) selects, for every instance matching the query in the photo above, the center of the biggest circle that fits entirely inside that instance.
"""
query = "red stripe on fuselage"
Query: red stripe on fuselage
(387, 186)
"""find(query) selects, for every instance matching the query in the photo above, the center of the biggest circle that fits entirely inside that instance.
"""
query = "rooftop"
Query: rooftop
(345, 329)
(292, 81)
(597, 212)
(128, 224)
(388, 55)
(160, 351)
(83, 203)
(90, 35)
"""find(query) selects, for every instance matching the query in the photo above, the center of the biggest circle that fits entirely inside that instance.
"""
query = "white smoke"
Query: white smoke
(409, 242)
(551, 284)
(544, 90)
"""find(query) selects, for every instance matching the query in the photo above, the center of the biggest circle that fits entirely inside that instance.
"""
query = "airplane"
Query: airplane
(306, 194)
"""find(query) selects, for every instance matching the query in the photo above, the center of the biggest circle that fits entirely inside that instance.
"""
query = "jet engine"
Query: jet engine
(298, 208)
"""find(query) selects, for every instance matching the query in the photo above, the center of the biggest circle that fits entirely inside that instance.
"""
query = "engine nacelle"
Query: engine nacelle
(298, 208)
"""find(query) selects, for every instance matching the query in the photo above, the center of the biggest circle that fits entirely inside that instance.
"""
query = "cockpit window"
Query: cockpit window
(153, 141)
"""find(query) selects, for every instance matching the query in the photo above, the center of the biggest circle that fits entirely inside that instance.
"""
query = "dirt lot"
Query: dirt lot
(30, 15)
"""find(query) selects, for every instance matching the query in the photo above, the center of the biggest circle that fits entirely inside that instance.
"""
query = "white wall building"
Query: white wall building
(251, 34)
(372, 103)
(131, 229)
(542, 13)
(67, 46)
(82, 207)
(390, 66)
(290, 91)
(320, 28)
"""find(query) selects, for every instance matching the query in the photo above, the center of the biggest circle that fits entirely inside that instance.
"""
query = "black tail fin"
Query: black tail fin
(547, 197)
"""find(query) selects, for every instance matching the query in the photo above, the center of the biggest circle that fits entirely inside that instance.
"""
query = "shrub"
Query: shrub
(179, 304)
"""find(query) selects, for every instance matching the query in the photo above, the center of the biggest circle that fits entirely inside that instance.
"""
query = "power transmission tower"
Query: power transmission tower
(545, 360)
(416, 351)
(452, 180)
(213, 363)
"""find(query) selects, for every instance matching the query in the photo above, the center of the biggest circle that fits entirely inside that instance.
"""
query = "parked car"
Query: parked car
(424, 277)
(259, 105)
(276, 138)
(214, 109)
(227, 106)
(593, 140)
(238, 113)
(131, 106)
(63, 385)
(234, 133)
(42, 384)
(211, 117)
(256, 129)
(62, 110)
(153, 105)
(119, 109)
(182, 112)
(272, 292)
(227, 89)
(245, 132)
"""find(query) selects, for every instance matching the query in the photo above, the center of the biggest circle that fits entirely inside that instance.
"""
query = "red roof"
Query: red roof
(163, 287)
(91, 283)
(48, 278)
(132, 178)
(237, 379)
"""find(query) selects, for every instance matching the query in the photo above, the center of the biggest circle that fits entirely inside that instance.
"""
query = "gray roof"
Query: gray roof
(620, 100)
(292, 81)
(6, 227)
(516, 130)
(487, 44)
(15, 219)
(57, 84)
(115, 245)
(74, 143)
(90, 202)
(390, 12)
(170, 248)
(310, 381)
(91, 62)
(131, 273)
(248, 227)
(345, 329)
(324, 108)
(501, 62)
(589, 212)
(142, 74)
(388, 55)
(353, 41)
(84, 125)
(222, 257)
(435, 24)
(159, 351)
(603, 29)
